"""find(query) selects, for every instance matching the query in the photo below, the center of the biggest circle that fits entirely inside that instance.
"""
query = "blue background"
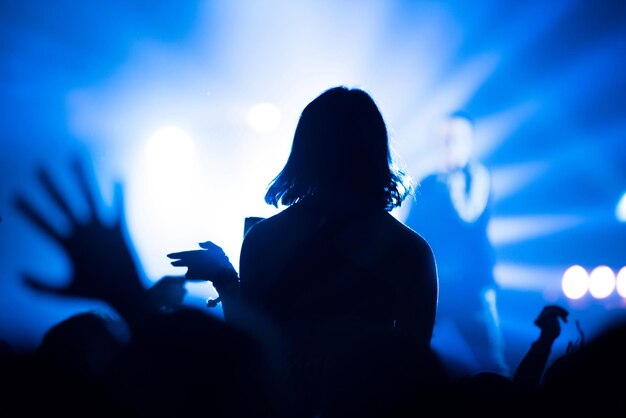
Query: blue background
(543, 80)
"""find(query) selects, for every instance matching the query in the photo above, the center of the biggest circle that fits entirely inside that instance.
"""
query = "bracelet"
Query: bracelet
(230, 279)
(227, 276)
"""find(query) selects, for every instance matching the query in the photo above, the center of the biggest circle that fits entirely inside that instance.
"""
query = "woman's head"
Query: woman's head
(340, 152)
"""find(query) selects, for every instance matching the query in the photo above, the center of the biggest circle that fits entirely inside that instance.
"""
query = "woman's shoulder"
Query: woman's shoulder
(275, 226)
(408, 254)
(405, 236)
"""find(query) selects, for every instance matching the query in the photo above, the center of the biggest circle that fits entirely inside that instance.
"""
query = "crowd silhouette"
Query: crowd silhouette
(330, 314)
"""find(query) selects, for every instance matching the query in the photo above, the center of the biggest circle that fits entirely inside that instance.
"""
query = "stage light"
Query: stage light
(170, 147)
(169, 163)
(620, 282)
(601, 282)
(162, 197)
(620, 210)
(264, 117)
(505, 230)
(575, 282)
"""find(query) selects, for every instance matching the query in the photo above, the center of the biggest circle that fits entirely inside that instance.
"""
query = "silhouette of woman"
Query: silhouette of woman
(335, 269)
(336, 253)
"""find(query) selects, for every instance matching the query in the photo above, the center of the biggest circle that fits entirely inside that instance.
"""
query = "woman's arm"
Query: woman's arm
(418, 293)
(530, 370)
(250, 269)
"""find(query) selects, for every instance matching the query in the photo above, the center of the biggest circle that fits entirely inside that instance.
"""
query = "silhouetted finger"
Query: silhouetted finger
(213, 249)
(193, 276)
(186, 254)
(39, 286)
(180, 263)
(580, 331)
(208, 245)
(56, 196)
(25, 208)
(119, 203)
(78, 167)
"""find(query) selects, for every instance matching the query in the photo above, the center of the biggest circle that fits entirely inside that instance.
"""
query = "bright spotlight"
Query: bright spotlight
(170, 147)
(601, 282)
(575, 282)
(620, 282)
(170, 159)
(620, 211)
(264, 117)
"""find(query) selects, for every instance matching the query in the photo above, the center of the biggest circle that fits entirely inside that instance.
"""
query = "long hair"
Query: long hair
(340, 148)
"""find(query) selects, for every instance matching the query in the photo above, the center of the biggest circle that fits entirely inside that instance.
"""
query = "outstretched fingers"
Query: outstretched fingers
(208, 245)
(39, 286)
(78, 167)
(28, 211)
(189, 255)
(213, 249)
(182, 263)
(185, 258)
(55, 194)
(119, 204)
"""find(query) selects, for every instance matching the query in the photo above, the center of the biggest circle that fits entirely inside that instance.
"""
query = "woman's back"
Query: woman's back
(335, 274)
(309, 267)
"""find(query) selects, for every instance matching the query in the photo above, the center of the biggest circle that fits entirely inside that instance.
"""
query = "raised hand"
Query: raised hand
(548, 321)
(208, 264)
(531, 368)
(103, 264)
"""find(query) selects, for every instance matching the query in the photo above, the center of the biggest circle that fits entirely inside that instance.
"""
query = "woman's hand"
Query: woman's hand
(208, 264)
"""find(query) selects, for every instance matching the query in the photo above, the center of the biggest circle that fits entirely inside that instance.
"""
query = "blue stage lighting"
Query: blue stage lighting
(575, 282)
(620, 210)
(620, 282)
(601, 282)
(170, 158)
(170, 147)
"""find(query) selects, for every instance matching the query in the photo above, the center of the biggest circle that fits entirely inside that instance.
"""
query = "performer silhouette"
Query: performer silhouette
(451, 212)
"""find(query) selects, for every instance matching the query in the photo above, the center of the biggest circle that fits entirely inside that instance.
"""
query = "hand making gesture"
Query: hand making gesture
(103, 262)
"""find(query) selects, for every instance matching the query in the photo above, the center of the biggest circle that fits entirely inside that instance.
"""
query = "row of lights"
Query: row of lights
(600, 282)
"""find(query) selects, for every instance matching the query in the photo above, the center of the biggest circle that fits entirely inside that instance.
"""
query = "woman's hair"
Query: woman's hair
(340, 148)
